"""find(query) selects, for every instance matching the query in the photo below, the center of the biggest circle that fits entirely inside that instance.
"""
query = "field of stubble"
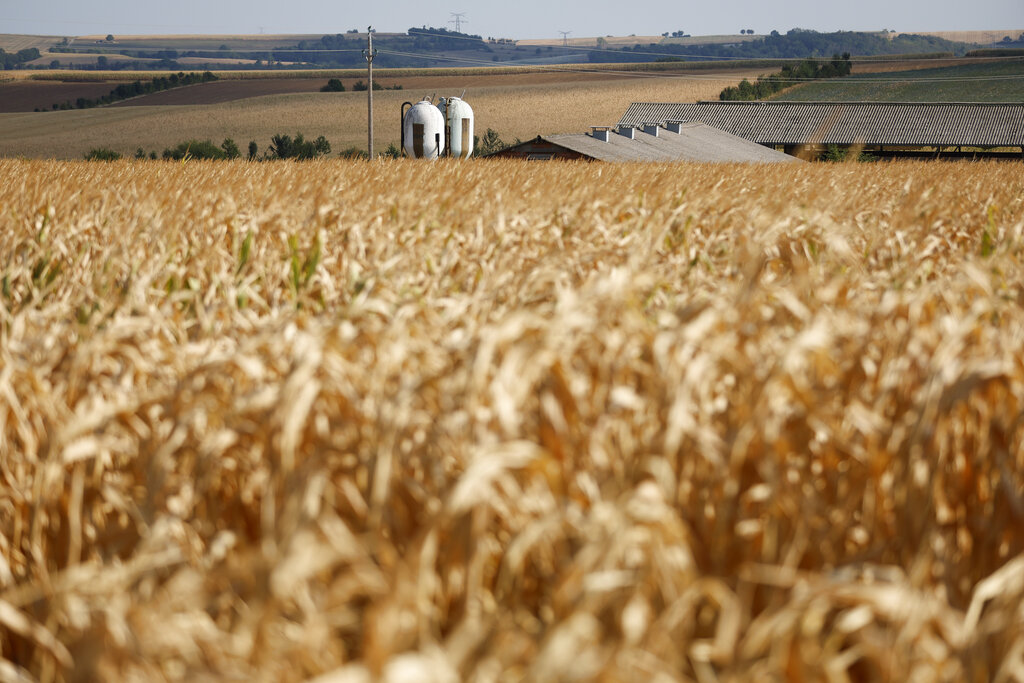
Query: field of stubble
(515, 106)
(502, 421)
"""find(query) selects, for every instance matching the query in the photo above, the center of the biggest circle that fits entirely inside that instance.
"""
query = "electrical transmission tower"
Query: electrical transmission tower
(459, 18)
(565, 38)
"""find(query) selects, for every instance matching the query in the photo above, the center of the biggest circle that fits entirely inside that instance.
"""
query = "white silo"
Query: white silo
(460, 127)
(423, 130)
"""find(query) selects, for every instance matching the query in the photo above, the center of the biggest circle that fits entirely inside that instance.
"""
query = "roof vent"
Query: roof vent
(601, 133)
(674, 126)
(627, 132)
(651, 129)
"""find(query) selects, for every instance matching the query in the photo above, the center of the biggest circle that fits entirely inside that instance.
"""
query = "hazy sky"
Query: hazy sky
(512, 19)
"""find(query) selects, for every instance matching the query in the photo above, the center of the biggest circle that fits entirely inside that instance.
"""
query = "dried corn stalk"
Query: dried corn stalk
(503, 421)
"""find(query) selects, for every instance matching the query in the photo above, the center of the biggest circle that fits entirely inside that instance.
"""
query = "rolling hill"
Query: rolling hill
(981, 81)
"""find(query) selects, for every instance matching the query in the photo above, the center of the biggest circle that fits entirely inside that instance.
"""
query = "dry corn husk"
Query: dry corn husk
(504, 421)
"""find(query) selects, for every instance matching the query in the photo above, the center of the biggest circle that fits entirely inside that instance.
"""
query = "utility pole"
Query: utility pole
(565, 38)
(369, 53)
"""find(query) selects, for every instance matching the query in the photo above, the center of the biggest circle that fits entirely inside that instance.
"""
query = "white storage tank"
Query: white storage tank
(460, 126)
(423, 130)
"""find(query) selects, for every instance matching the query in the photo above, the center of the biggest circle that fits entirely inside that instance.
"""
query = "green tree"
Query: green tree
(253, 150)
(285, 147)
(490, 142)
(230, 149)
(353, 153)
(360, 86)
(102, 154)
(194, 149)
(334, 85)
(282, 147)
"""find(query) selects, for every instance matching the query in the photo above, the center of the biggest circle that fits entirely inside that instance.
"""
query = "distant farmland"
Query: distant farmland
(967, 81)
(516, 105)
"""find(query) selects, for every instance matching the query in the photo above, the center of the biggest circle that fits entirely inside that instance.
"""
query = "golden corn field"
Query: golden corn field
(499, 421)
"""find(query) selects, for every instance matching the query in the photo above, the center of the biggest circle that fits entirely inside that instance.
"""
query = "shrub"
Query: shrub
(490, 142)
(334, 85)
(102, 154)
(195, 149)
(353, 152)
(360, 86)
(230, 149)
(284, 147)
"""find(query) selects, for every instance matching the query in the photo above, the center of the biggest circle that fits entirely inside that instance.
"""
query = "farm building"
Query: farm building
(952, 130)
(665, 141)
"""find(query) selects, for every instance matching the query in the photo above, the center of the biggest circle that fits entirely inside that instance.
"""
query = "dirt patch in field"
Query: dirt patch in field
(887, 66)
(418, 86)
(19, 96)
(28, 96)
(219, 92)
(23, 96)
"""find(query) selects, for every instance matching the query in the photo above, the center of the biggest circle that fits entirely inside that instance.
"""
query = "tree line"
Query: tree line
(791, 74)
(335, 85)
(796, 43)
(125, 91)
(341, 50)
(14, 60)
(344, 50)
(281, 147)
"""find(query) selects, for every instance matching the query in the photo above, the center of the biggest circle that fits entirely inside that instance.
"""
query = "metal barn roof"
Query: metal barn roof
(693, 142)
(848, 123)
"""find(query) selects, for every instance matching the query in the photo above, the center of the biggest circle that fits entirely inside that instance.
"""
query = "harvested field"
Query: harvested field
(519, 110)
(203, 41)
(868, 66)
(613, 41)
(980, 37)
(27, 95)
(12, 42)
(628, 41)
(507, 421)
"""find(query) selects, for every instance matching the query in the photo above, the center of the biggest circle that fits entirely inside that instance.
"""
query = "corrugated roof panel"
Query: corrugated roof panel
(695, 142)
(871, 123)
